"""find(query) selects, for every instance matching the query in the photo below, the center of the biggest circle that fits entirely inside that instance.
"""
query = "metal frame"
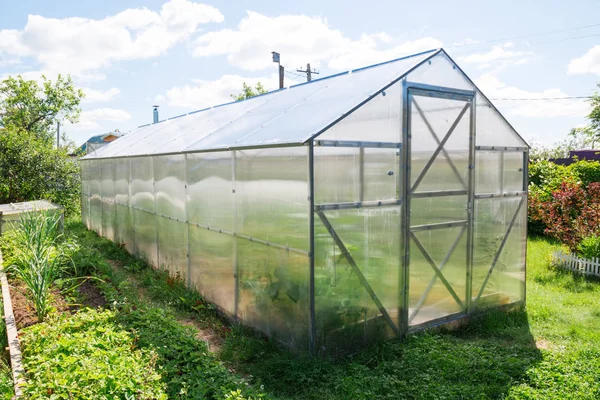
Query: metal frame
(410, 90)
(312, 337)
(358, 144)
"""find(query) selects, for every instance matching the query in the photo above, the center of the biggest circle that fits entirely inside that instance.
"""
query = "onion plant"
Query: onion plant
(39, 256)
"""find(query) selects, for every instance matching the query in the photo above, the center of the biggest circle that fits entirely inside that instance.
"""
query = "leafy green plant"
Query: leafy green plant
(38, 257)
(88, 356)
(589, 247)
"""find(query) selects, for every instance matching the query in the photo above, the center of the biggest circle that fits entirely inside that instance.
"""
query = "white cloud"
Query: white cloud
(91, 119)
(498, 57)
(93, 95)
(209, 93)
(81, 46)
(300, 39)
(494, 88)
(589, 63)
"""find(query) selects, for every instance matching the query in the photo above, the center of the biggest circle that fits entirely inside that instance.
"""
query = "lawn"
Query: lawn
(551, 350)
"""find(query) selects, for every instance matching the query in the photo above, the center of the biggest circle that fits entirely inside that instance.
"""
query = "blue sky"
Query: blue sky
(186, 55)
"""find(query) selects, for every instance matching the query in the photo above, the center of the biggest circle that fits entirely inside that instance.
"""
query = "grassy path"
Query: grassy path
(549, 351)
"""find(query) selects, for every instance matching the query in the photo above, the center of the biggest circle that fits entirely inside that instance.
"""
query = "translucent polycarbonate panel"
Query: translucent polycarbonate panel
(492, 128)
(305, 110)
(85, 193)
(271, 195)
(434, 121)
(211, 266)
(378, 120)
(210, 189)
(381, 174)
(108, 198)
(488, 172)
(440, 71)
(95, 196)
(169, 187)
(429, 297)
(211, 120)
(273, 292)
(492, 222)
(144, 231)
(142, 202)
(345, 313)
(437, 210)
(123, 218)
(128, 141)
(514, 171)
(337, 175)
(172, 247)
(142, 183)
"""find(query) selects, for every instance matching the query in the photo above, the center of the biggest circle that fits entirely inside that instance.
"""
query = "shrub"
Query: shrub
(88, 356)
(572, 214)
(589, 247)
(586, 171)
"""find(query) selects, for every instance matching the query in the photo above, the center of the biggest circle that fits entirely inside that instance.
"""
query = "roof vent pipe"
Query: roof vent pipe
(155, 114)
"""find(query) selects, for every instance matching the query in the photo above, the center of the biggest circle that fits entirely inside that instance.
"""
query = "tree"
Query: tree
(31, 167)
(249, 91)
(25, 105)
(594, 116)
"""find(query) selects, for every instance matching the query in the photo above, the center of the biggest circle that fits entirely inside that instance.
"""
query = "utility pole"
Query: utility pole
(276, 58)
(308, 72)
(57, 134)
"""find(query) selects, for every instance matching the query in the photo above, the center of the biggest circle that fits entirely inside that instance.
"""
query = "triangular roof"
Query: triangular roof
(285, 117)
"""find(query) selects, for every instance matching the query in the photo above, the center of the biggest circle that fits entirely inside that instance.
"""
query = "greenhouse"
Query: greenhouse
(369, 204)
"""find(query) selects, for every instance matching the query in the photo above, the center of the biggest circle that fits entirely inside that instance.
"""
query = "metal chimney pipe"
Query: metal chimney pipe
(155, 114)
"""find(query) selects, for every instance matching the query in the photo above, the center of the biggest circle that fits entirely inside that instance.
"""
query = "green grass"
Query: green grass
(551, 350)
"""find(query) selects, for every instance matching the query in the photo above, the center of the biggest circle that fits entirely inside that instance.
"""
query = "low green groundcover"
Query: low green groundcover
(87, 355)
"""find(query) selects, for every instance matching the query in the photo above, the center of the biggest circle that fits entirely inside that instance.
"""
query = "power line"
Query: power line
(545, 98)
(525, 36)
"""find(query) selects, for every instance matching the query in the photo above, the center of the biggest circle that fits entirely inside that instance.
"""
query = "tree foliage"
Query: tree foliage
(249, 91)
(27, 105)
(31, 167)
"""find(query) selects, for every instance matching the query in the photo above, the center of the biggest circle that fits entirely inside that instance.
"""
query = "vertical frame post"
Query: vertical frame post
(155, 211)
(471, 208)
(187, 220)
(361, 162)
(236, 275)
(405, 212)
(311, 254)
(131, 211)
(526, 190)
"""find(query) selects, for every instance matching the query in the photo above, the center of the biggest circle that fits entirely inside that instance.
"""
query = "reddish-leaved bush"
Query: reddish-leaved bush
(572, 213)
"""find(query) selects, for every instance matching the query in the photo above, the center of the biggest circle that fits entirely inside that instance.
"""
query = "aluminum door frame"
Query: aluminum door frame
(408, 90)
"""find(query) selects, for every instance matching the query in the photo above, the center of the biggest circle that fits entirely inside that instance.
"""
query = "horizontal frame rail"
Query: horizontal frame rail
(441, 225)
(424, 89)
(495, 195)
(440, 193)
(363, 204)
(354, 143)
(501, 148)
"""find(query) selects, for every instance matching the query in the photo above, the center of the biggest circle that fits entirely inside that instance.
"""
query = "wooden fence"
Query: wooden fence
(583, 265)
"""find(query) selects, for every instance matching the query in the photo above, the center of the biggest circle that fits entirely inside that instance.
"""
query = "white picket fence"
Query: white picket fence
(574, 263)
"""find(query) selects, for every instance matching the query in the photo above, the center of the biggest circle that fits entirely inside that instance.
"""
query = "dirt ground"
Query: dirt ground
(24, 309)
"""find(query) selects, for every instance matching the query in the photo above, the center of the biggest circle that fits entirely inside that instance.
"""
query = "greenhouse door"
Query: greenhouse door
(438, 187)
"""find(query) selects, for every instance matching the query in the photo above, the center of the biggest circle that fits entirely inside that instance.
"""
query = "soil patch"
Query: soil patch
(91, 296)
(23, 308)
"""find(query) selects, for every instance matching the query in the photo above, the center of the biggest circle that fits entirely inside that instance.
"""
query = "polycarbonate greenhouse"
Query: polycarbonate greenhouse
(365, 205)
